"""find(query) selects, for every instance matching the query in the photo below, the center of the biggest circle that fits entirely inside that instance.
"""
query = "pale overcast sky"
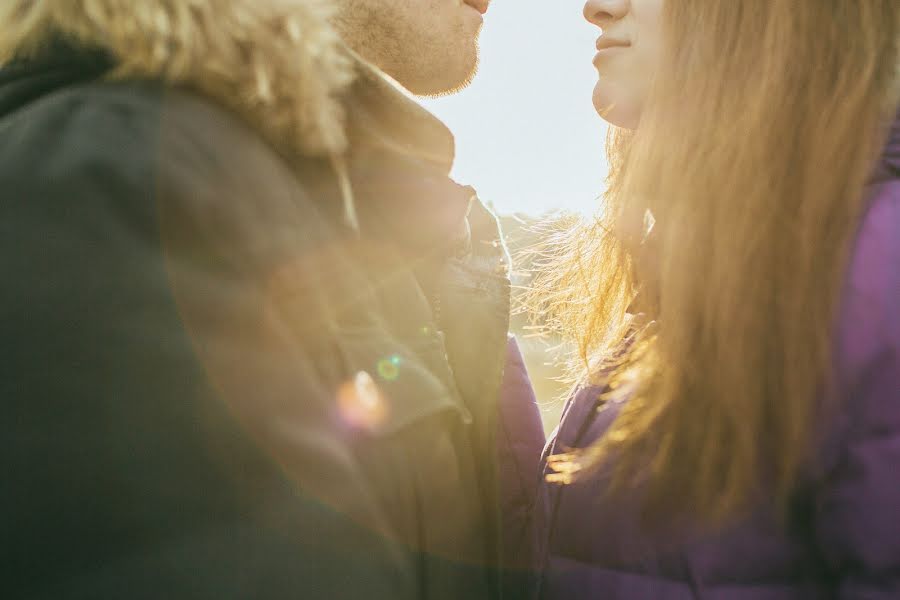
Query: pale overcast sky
(527, 136)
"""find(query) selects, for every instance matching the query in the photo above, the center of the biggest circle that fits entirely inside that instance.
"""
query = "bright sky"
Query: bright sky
(527, 136)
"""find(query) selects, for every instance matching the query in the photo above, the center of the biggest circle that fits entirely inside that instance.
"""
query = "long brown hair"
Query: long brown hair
(708, 289)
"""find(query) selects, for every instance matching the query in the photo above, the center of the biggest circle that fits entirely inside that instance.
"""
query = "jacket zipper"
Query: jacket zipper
(436, 311)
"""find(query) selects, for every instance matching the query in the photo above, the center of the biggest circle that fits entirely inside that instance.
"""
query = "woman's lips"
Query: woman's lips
(479, 5)
(605, 43)
(608, 47)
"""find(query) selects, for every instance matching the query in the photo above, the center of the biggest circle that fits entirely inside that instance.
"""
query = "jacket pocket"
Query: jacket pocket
(420, 457)
(392, 383)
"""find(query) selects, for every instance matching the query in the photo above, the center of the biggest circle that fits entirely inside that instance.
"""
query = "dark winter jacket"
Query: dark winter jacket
(231, 370)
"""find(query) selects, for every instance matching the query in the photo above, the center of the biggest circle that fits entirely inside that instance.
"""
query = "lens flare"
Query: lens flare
(389, 368)
(361, 403)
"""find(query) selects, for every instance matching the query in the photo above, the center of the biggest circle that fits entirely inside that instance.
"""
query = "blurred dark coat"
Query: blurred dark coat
(213, 386)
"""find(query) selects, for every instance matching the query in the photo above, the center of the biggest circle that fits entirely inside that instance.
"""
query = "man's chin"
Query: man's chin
(443, 81)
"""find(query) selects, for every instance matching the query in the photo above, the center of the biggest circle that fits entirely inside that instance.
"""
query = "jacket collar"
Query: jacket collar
(383, 118)
(280, 65)
(295, 80)
(333, 103)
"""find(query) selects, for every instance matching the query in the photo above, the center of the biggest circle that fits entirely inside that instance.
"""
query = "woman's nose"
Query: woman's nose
(603, 12)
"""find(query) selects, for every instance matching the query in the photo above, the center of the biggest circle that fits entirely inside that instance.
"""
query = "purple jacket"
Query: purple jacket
(845, 540)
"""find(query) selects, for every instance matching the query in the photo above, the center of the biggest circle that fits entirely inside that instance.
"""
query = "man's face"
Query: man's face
(429, 46)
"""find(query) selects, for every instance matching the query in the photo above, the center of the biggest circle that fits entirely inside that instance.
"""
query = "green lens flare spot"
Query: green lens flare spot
(389, 368)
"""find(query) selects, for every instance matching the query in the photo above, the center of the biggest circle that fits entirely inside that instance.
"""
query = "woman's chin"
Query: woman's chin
(611, 105)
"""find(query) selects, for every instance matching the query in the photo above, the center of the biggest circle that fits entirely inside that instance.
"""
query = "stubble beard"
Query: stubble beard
(429, 58)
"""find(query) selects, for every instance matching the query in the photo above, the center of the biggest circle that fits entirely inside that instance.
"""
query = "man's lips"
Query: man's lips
(479, 5)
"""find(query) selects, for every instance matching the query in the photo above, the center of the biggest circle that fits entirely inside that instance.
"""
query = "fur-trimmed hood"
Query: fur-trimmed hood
(277, 63)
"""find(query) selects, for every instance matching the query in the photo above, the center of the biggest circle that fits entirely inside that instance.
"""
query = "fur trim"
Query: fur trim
(277, 63)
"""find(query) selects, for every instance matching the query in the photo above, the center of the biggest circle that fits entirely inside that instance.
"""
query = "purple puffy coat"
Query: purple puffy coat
(843, 541)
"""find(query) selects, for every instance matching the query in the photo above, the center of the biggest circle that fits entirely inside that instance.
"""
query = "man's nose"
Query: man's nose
(603, 12)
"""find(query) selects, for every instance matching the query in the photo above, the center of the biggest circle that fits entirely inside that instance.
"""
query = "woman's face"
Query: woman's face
(629, 49)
